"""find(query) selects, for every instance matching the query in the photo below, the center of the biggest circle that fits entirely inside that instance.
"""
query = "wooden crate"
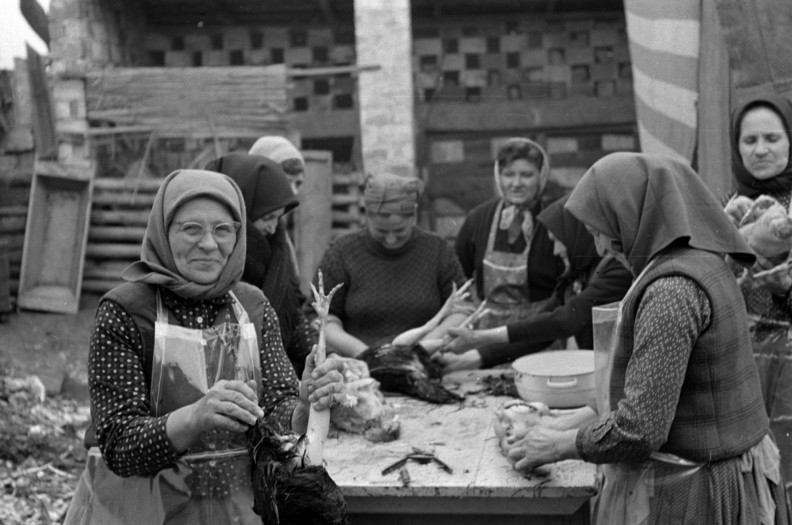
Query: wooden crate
(56, 233)
(5, 278)
(119, 215)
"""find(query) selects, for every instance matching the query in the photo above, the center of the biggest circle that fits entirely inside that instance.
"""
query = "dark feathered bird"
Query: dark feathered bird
(287, 491)
(407, 369)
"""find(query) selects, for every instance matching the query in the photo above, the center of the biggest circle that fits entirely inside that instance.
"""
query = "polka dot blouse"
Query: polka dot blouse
(131, 440)
(672, 314)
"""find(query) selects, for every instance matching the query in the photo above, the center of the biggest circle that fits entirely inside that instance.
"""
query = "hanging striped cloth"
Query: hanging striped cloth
(664, 49)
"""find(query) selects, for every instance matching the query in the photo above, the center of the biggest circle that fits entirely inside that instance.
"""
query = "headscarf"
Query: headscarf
(276, 148)
(746, 183)
(268, 263)
(390, 194)
(156, 264)
(264, 185)
(572, 234)
(648, 202)
(511, 212)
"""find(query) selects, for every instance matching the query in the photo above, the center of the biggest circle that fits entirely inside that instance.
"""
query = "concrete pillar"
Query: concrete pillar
(383, 35)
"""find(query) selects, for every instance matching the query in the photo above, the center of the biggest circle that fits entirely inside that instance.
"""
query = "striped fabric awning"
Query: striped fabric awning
(664, 49)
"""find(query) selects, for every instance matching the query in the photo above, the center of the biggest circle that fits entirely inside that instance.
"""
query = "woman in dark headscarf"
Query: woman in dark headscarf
(268, 262)
(684, 436)
(760, 149)
(184, 358)
(588, 281)
(396, 276)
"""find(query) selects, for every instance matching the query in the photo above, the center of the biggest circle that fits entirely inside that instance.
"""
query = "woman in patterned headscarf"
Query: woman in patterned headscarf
(184, 358)
(396, 276)
(683, 437)
(503, 247)
(589, 281)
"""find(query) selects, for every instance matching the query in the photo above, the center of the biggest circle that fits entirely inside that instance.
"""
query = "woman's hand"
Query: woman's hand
(737, 207)
(323, 385)
(463, 339)
(541, 445)
(229, 405)
(470, 360)
(776, 279)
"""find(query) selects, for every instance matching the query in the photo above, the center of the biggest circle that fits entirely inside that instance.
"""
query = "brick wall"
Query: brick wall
(492, 58)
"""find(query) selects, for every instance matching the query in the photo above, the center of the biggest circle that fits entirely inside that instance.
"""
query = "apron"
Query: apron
(211, 482)
(628, 488)
(505, 281)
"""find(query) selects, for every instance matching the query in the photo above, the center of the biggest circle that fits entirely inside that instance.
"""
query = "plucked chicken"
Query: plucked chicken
(515, 418)
(767, 228)
(364, 409)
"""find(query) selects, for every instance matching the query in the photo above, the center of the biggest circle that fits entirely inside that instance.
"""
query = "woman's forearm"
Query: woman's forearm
(569, 419)
(341, 342)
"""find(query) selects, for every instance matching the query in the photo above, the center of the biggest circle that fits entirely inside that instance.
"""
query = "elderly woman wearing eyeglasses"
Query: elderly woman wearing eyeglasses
(184, 358)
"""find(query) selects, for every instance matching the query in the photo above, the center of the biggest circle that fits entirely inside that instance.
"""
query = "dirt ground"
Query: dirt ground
(53, 347)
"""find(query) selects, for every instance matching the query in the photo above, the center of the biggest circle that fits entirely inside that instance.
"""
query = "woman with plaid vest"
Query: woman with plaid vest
(685, 438)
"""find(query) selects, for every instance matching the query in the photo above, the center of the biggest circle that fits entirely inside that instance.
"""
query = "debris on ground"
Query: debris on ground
(41, 451)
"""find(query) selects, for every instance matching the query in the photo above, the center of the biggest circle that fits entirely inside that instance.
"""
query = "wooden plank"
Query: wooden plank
(44, 120)
(758, 41)
(36, 16)
(462, 436)
(242, 101)
(115, 233)
(314, 215)
(713, 105)
(113, 251)
(56, 234)
(119, 217)
(142, 185)
(5, 278)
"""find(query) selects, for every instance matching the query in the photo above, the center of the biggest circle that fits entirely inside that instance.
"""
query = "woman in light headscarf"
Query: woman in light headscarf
(282, 151)
(268, 262)
(683, 437)
(184, 358)
(396, 276)
(588, 281)
(503, 247)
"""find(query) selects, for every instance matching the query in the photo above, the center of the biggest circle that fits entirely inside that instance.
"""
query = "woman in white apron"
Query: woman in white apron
(588, 281)
(502, 246)
(685, 437)
(183, 359)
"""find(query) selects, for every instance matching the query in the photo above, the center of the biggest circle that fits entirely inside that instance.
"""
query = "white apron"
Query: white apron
(505, 283)
(211, 483)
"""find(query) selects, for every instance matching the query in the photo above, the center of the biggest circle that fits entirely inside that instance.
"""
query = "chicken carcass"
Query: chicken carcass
(408, 369)
(515, 418)
(767, 228)
(286, 489)
(363, 409)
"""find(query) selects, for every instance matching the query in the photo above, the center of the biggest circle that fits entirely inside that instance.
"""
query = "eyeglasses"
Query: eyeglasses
(195, 231)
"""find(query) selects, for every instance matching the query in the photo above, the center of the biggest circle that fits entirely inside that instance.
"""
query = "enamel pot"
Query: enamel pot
(557, 378)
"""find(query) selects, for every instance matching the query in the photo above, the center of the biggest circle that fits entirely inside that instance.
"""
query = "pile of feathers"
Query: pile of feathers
(408, 369)
(286, 489)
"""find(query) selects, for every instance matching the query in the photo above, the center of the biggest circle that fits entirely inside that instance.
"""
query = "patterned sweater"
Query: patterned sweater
(386, 292)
